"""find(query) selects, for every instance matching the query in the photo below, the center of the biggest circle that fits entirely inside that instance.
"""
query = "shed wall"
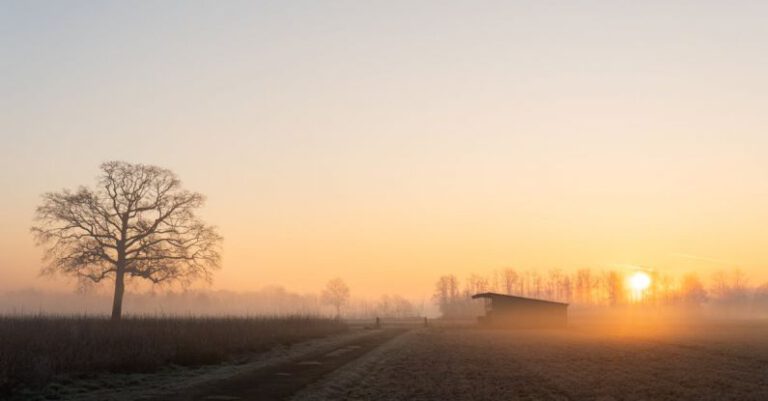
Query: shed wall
(522, 314)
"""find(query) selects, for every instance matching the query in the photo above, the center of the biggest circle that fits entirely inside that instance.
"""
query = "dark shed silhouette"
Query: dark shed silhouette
(519, 312)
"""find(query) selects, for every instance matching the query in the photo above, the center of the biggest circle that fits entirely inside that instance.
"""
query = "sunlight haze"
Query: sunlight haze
(391, 143)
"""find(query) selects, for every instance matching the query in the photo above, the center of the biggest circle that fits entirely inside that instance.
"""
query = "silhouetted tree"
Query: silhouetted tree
(537, 284)
(138, 222)
(663, 288)
(760, 299)
(739, 286)
(567, 289)
(720, 287)
(447, 295)
(614, 288)
(394, 306)
(730, 287)
(692, 290)
(336, 294)
(585, 286)
(511, 279)
(475, 284)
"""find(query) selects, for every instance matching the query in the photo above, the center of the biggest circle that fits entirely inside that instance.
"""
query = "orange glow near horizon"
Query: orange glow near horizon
(639, 282)
(393, 145)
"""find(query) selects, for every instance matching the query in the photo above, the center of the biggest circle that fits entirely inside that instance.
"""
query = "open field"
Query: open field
(37, 350)
(591, 360)
(703, 361)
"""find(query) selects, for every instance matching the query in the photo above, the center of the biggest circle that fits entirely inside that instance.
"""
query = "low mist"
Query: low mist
(267, 301)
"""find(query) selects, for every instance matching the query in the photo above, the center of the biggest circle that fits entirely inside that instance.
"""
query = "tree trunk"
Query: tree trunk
(117, 303)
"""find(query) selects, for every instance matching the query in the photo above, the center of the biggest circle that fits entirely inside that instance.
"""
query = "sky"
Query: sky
(390, 142)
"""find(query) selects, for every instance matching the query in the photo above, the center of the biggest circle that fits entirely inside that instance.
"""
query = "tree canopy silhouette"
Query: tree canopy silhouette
(336, 293)
(138, 222)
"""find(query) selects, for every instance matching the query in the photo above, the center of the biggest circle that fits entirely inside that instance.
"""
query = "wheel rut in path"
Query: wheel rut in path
(280, 381)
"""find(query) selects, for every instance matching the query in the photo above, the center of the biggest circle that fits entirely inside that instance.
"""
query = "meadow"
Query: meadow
(35, 350)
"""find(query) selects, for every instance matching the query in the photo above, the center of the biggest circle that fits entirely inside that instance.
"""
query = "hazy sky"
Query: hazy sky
(390, 142)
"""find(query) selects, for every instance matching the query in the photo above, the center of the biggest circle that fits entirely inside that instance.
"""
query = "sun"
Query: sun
(639, 281)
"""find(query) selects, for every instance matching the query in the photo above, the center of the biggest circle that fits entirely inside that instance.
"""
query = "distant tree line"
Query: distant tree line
(599, 288)
(337, 295)
(266, 301)
(386, 306)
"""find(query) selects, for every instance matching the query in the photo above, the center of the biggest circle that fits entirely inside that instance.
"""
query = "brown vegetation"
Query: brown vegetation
(34, 350)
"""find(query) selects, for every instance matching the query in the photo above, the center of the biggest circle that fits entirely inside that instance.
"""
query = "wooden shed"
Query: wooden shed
(520, 312)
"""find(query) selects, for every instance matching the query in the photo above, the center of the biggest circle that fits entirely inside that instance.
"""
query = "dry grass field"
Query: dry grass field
(594, 359)
(37, 350)
(693, 361)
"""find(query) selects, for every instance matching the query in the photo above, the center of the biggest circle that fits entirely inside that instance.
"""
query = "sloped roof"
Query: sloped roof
(493, 295)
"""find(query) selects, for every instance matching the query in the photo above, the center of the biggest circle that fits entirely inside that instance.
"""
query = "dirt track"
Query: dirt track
(272, 375)
(714, 362)
(277, 382)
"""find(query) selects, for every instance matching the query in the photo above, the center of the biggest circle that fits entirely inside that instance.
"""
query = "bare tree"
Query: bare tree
(475, 284)
(537, 284)
(720, 286)
(739, 285)
(692, 290)
(447, 295)
(664, 288)
(760, 299)
(553, 286)
(511, 279)
(567, 289)
(394, 306)
(584, 286)
(138, 222)
(614, 287)
(336, 293)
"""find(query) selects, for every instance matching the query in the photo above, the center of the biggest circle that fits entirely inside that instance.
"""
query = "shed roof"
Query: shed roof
(493, 295)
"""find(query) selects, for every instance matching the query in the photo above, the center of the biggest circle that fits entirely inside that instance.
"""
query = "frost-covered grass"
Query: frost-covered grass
(34, 350)
(634, 361)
